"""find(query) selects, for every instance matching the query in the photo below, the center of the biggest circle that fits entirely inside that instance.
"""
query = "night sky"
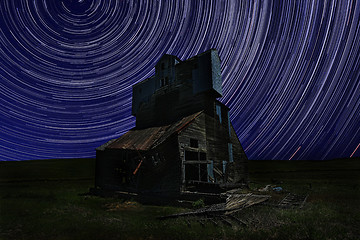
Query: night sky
(290, 70)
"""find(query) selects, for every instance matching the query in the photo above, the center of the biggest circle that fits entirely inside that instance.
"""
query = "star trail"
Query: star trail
(290, 69)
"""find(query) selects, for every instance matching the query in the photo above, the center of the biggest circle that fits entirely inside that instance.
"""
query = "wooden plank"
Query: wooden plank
(237, 220)
(303, 203)
(201, 222)
(224, 220)
(196, 162)
(213, 221)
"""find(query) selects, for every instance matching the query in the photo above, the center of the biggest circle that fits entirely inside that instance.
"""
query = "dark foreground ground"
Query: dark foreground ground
(42, 200)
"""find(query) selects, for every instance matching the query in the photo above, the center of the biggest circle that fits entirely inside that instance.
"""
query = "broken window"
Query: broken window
(194, 143)
(218, 174)
(210, 171)
(218, 111)
(203, 177)
(196, 172)
(224, 167)
(230, 150)
(191, 172)
(196, 167)
(191, 156)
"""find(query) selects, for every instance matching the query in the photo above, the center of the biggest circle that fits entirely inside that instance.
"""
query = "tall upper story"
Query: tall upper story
(179, 88)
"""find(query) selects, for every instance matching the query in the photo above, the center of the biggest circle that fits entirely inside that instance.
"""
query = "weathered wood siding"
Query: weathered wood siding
(170, 104)
(193, 86)
(214, 138)
(240, 159)
(217, 138)
(196, 131)
(219, 134)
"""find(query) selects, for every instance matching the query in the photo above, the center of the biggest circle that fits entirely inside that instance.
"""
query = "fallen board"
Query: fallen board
(293, 201)
(234, 203)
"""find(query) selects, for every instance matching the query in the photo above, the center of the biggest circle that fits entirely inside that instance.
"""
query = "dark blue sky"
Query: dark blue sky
(290, 69)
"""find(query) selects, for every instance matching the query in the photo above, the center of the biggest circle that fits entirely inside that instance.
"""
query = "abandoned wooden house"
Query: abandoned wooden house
(183, 140)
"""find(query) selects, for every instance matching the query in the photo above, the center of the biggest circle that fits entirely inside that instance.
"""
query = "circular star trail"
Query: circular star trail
(290, 69)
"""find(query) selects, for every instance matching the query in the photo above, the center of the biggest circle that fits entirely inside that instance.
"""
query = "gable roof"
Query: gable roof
(148, 138)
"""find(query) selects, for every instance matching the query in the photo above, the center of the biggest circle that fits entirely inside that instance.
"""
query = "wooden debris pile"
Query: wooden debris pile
(225, 213)
(234, 203)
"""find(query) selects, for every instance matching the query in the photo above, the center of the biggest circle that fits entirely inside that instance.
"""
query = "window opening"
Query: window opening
(194, 143)
(231, 158)
(191, 156)
(218, 112)
(224, 167)
(203, 176)
(191, 172)
(210, 170)
(196, 170)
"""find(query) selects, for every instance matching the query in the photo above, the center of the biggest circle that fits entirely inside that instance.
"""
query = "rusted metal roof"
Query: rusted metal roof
(102, 147)
(145, 139)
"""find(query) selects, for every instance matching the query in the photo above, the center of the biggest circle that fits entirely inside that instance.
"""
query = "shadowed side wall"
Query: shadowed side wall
(195, 131)
(161, 176)
(223, 146)
(158, 173)
(240, 159)
(110, 163)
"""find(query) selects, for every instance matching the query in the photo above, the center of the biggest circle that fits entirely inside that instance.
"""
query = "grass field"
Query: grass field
(44, 200)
